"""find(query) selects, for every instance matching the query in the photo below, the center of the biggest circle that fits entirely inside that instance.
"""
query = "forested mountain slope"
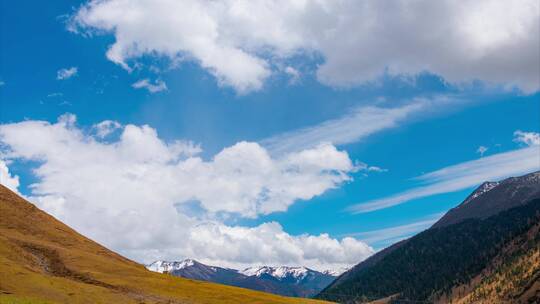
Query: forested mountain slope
(436, 261)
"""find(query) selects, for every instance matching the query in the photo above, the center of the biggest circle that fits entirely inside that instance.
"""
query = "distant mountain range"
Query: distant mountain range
(486, 250)
(283, 280)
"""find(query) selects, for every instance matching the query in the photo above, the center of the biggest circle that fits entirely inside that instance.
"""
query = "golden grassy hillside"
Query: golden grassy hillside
(44, 261)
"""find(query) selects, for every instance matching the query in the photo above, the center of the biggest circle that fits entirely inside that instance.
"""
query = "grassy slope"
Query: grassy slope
(45, 261)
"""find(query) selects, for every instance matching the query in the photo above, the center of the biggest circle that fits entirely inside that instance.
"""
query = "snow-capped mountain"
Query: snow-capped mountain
(308, 279)
(192, 269)
(280, 273)
(335, 272)
(283, 280)
(164, 266)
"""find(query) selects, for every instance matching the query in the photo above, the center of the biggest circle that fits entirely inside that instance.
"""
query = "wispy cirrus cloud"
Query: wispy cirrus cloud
(352, 127)
(55, 94)
(157, 86)
(382, 237)
(357, 124)
(461, 176)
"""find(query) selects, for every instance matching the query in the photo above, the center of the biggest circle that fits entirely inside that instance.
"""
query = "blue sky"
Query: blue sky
(294, 104)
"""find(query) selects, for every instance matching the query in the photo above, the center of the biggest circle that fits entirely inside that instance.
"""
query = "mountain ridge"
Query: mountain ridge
(493, 197)
(461, 245)
(283, 280)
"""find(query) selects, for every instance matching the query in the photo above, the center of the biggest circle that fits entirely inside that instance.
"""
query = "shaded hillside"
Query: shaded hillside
(513, 276)
(45, 261)
(287, 281)
(436, 260)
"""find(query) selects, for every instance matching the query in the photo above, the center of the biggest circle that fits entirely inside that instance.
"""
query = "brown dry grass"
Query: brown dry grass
(45, 261)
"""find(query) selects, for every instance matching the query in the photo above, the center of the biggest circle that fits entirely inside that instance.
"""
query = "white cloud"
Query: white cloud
(481, 150)
(106, 127)
(376, 169)
(527, 138)
(391, 235)
(134, 192)
(294, 75)
(352, 127)
(158, 85)
(6, 179)
(461, 176)
(241, 42)
(268, 244)
(363, 167)
(55, 94)
(67, 73)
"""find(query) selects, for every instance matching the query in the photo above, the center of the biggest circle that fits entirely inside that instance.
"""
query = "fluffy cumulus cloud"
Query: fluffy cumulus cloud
(106, 127)
(66, 73)
(269, 244)
(153, 199)
(6, 179)
(242, 42)
(527, 138)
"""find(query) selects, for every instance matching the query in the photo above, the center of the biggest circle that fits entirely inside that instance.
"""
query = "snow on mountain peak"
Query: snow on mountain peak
(335, 272)
(253, 271)
(166, 266)
(295, 272)
(279, 273)
(485, 187)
